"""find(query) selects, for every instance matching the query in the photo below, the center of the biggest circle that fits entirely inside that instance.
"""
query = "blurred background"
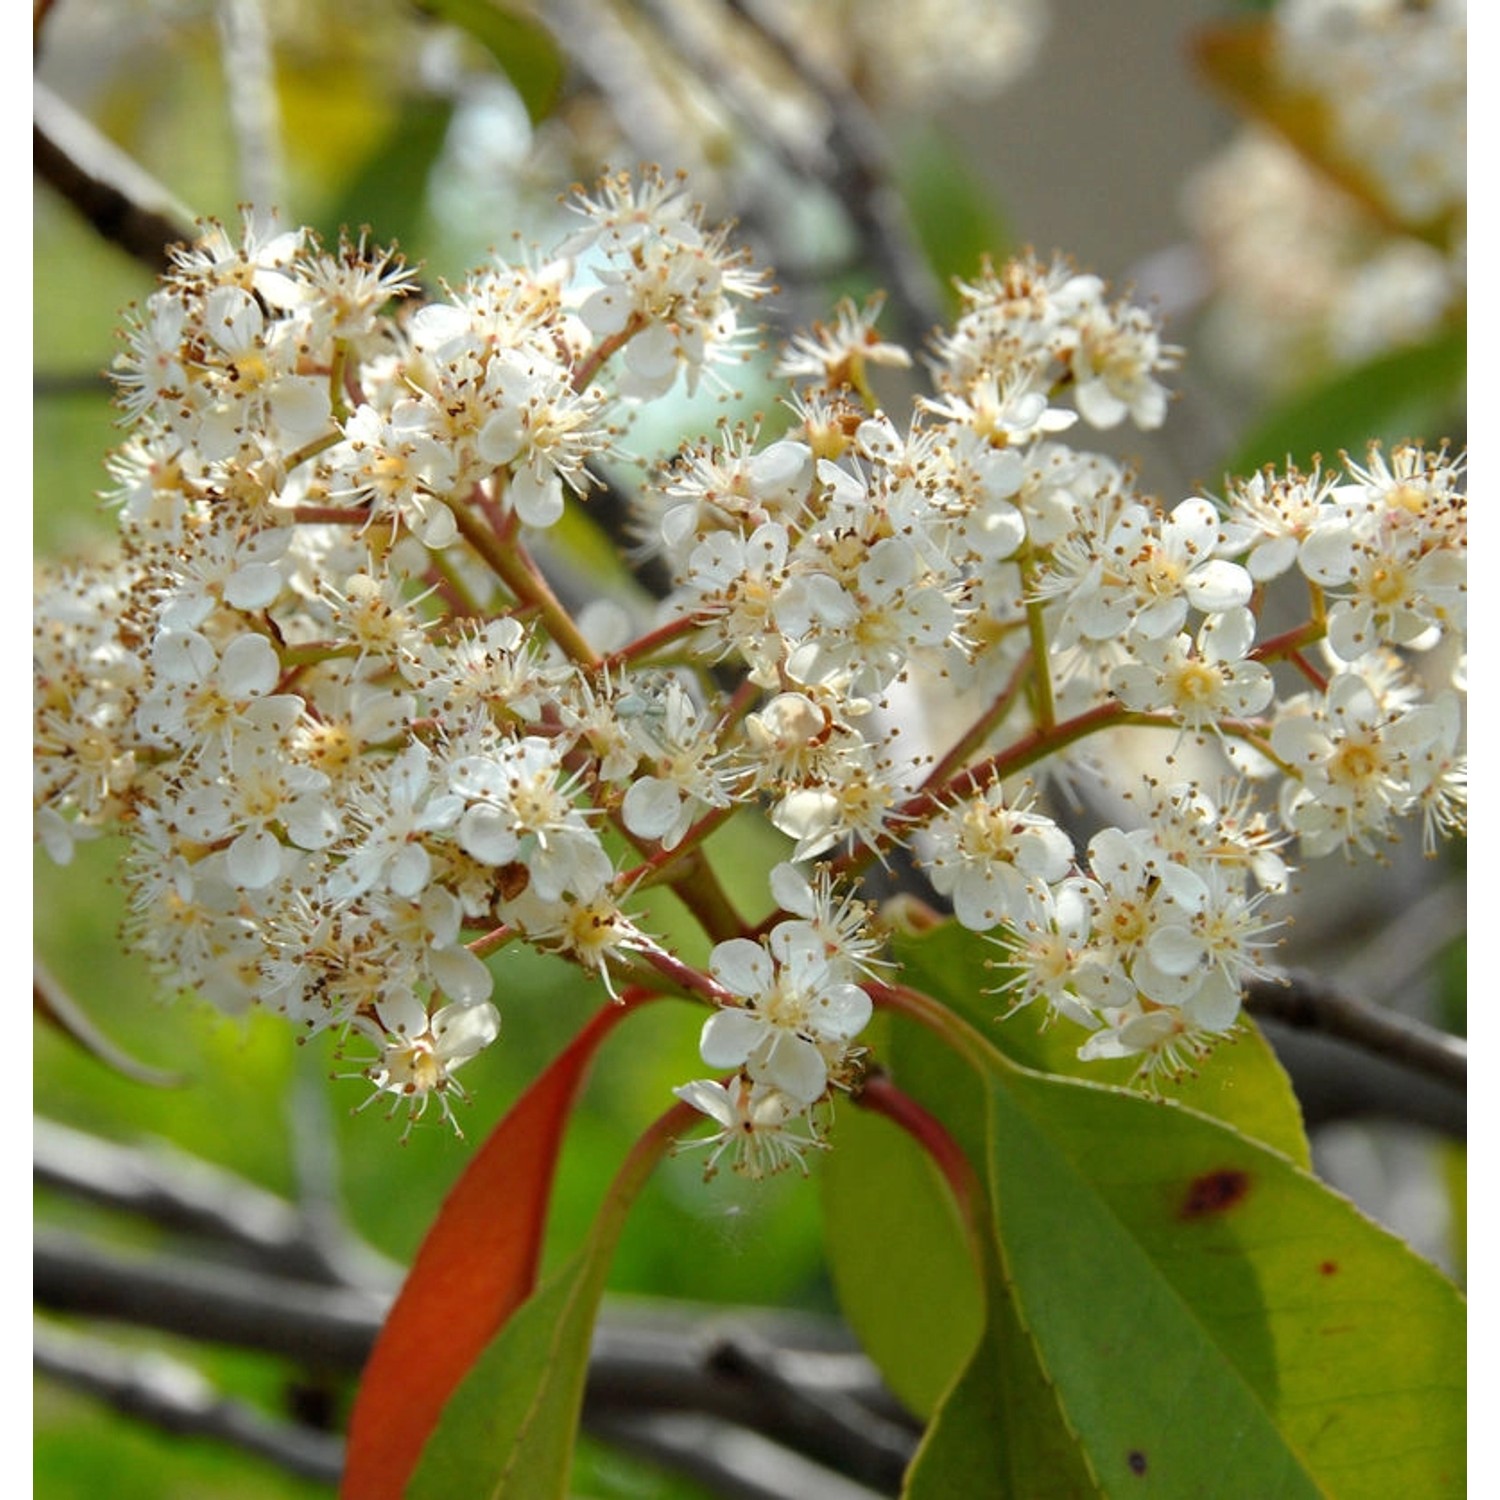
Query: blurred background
(1313, 317)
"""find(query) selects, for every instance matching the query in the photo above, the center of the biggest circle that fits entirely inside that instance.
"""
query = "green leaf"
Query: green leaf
(1254, 1335)
(388, 190)
(952, 211)
(1000, 1431)
(508, 1429)
(477, 1265)
(523, 47)
(900, 1262)
(1182, 1309)
(1416, 392)
(507, 1432)
(1241, 1082)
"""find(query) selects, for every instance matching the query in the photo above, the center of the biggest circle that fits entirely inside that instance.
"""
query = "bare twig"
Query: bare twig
(730, 1461)
(168, 1394)
(741, 1367)
(860, 178)
(1310, 1004)
(250, 85)
(54, 1004)
(1388, 960)
(114, 194)
(183, 1194)
(217, 1303)
(175, 1397)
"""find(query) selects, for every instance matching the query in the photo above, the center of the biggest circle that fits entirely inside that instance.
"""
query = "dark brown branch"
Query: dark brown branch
(1308, 1003)
(215, 1303)
(123, 203)
(731, 1462)
(182, 1194)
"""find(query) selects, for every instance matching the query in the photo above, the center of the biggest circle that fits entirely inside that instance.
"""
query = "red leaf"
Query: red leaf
(476, 1266)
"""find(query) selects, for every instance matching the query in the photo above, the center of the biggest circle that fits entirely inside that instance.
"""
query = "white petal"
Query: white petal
(743, 967)
(842, 1011)
(729, 1037)
(650, 807)
(461, 1031)
(254, 860)
(459, 974)
(793, 1065)
(487, 834)
(1175, 950)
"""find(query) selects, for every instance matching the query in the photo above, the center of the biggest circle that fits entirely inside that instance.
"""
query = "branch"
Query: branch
(860, 178)
(728, 1460)
(1308, 1003)
(112, 192)
(180, 1193)
(175, 1397)
(215, 1303)
(722, 1367)
(52, 1002)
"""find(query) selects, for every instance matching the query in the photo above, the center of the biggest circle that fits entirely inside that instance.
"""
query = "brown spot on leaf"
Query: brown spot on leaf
(1328, 1268)
(1215, 1192)
(1137, 1461)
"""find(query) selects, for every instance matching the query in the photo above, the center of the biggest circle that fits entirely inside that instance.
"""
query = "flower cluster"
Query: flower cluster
(358, 744)
(1352, 241)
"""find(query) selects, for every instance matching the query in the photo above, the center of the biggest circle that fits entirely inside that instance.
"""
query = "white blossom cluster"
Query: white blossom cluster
(357, 744)
(1392, 76)
(1359, 246)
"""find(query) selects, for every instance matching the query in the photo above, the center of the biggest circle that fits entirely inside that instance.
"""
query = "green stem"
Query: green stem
(1036, 628)
(314, 448)
(521, 576)
(310, 654)
(337, 395)
(697, 886)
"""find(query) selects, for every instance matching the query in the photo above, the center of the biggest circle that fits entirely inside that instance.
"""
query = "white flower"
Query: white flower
(1198, 683)
(422, 1053)
(754, 1123)
(1114, 363)
(1141, 578)
(796, 1016)
(988, 856)
(521, 811)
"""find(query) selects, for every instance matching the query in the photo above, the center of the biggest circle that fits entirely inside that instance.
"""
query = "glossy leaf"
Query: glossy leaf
(521, 45)
(1416, 392)
(1000, 1431)
(899, 1257)
(509, 1429)
(388, 188)
(1206, 1316)
(1254, 1335)
(952, 211)
(477, 1265)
